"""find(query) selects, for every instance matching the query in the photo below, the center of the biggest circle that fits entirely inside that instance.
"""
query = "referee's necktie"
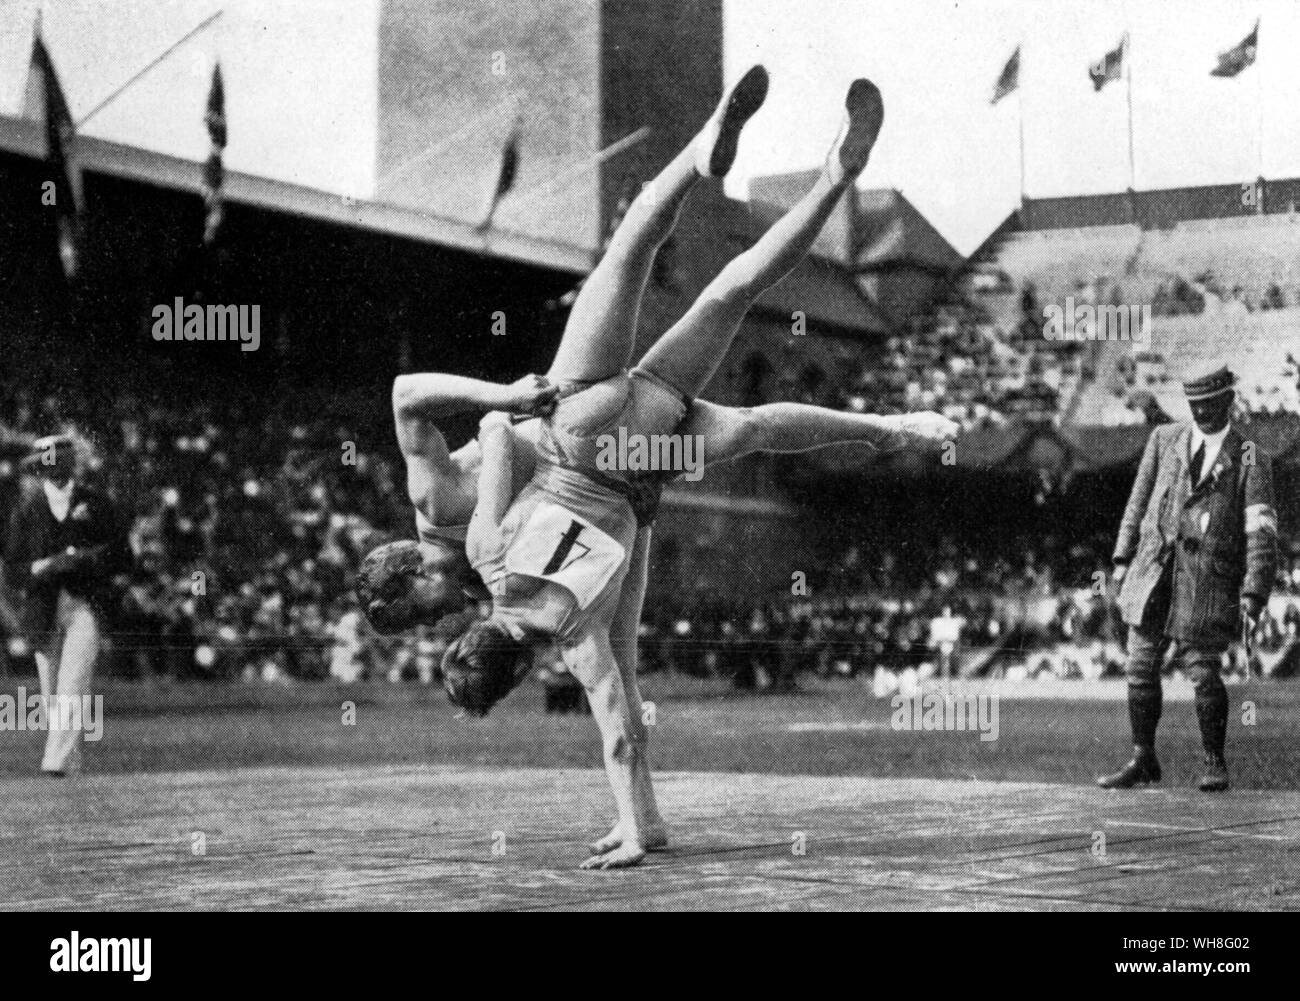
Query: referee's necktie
(1198, 461)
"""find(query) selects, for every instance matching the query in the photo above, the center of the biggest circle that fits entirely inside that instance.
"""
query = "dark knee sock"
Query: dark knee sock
(1144, 705)
(1212, 714)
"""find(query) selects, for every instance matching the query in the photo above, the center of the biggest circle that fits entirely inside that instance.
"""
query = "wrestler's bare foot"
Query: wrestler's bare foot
(629, 853)
(715, 149)
(928, 428)
(654, 838)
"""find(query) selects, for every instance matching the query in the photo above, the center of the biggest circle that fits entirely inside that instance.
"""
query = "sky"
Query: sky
(956, 157)
(944, 146)
(299, 77)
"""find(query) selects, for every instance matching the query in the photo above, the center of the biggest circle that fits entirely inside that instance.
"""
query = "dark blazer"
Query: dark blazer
(86, 549)
(1217, 540)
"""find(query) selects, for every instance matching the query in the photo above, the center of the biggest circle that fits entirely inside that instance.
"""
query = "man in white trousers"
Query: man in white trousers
(64, 543)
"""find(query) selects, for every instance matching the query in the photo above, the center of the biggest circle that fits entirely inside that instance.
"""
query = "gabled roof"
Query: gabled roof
(888, 229)
(826, 292)
(872, 228)
(822, 287)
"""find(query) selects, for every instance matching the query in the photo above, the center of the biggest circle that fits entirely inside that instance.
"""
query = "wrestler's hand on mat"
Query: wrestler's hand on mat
(929, 427)
(532, 396)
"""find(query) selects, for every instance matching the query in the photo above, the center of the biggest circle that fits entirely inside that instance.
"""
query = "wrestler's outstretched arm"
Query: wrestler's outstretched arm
(422, 397)
(495, 480)
(435, 482)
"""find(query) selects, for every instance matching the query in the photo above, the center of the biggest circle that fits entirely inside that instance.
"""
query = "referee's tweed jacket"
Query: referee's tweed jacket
(1220, 536)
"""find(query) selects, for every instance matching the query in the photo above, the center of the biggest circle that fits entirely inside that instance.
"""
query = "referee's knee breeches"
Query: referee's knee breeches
(1203, 667)
(1145, 653)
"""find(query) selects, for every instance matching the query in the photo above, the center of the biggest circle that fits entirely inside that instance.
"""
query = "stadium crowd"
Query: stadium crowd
(248, 521)
(963, 364)
(1038, 612)
(980, 365)
(247, 524)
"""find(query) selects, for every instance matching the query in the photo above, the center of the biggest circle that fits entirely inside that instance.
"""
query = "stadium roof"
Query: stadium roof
(1163, 207)
(24, 137)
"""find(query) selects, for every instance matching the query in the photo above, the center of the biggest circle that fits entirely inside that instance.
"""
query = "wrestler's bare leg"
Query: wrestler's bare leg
(623, 639)
(730, 432)
(597, 344)
(688, 354)
(601, 330)
(590, 660)
(734, 290)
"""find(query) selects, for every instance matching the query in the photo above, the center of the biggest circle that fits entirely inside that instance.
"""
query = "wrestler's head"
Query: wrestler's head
(481, 667)
(403, 584)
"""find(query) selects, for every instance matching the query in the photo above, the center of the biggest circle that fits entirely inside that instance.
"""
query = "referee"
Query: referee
(1196, 555)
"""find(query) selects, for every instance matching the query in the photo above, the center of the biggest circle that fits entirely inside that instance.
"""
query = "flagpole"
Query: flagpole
(589, 163)
(505, 175)
(1020, 114)
(440, 144)
(1259, 102)
(172, 48)
(1132, 169)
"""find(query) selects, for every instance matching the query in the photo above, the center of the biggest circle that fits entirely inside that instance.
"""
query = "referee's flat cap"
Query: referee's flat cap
(1206, 386)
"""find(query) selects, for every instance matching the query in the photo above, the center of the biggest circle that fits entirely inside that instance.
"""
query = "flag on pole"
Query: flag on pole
(506, 174)
(1239, 56)
(1110, 66)
(213, 171)
(509, 164)
(60, 153)
(1009, 79)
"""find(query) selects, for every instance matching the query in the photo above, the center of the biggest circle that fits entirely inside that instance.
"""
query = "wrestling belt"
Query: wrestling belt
(643, 491)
